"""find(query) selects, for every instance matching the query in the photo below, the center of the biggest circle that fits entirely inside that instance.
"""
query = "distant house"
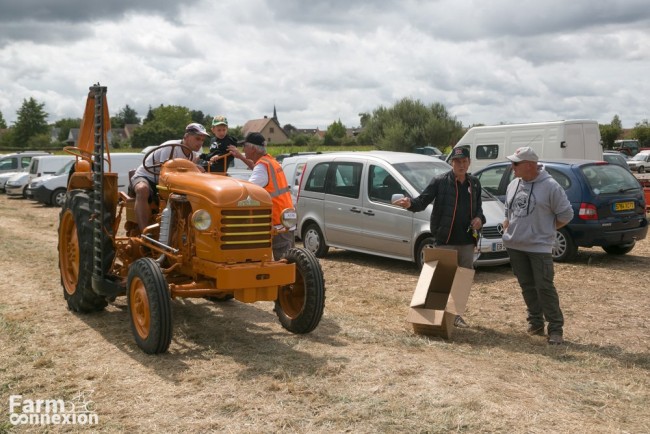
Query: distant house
(114, 134)
(269, 127)
(73, 137)
(307, 131)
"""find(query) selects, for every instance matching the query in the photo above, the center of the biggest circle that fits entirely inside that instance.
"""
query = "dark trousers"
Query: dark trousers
(535, 274)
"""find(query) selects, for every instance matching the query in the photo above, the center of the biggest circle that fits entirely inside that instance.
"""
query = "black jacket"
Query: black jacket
(443, 189)
(219, 147)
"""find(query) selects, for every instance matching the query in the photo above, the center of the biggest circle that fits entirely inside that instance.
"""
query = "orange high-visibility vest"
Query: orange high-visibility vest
(277, 187)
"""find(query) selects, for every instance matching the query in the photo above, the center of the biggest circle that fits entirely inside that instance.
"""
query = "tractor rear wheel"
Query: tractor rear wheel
(149, 306)
(300, 305)
(76, 254)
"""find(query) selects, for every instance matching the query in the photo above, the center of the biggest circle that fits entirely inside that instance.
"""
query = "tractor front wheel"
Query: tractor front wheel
(76, 254)
(149, 306)
(300, 305)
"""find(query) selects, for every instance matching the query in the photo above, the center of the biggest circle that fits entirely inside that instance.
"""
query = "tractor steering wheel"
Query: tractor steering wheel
(153, 168)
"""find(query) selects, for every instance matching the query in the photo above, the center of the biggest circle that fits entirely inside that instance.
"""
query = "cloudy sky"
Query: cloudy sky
(320, 61)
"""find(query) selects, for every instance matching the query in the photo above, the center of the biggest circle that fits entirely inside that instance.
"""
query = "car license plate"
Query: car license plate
(497, 247)
(623, 206)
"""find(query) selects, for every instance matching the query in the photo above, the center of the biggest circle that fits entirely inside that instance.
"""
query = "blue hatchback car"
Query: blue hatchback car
(608, 204)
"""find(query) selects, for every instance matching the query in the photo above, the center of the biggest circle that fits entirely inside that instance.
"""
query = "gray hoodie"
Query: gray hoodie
(532, 208)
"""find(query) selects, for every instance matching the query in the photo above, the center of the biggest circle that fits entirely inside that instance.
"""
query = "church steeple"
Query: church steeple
(275, 115)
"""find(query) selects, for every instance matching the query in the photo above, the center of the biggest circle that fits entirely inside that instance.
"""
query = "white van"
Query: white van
(293, 168)
(38, 166)
(48, 164)
(52, 190)
(578, 139)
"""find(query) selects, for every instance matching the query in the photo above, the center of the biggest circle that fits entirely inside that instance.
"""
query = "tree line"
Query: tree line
(406, 125)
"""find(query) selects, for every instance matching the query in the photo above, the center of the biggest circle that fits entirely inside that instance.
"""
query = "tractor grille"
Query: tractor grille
(245, 229)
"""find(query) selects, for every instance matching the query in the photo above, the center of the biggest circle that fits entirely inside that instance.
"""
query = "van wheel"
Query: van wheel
(58, 197)
(149, 306)
(428, 242)
(300, 305)
(313, 240)
(641, 169)
(620, 249)
(564, 248)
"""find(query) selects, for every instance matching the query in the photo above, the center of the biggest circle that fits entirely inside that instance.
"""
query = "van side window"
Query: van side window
(8, 164)
(316, 180)
(382, 185)
(487, 152)
(345, 180)
(25, 161)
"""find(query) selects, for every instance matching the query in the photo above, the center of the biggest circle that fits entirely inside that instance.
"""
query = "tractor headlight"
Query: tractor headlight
(201, 220)
(289, 218)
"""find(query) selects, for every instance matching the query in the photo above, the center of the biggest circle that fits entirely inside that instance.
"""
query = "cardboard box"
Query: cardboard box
(441, 293)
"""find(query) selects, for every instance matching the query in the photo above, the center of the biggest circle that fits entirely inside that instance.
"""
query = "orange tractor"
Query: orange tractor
(210, 236)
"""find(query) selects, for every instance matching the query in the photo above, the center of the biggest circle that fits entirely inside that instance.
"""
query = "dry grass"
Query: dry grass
(232, 368)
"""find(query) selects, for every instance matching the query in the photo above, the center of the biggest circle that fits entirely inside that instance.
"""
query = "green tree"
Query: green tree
(198, 116)
(610, 132)
(39, 141)
(290, 130)
(31, 122)
(3, 124)
(166, 123)
(641, 132)
(335, 134)
(410, 124)
(126, 115)
(65, 125)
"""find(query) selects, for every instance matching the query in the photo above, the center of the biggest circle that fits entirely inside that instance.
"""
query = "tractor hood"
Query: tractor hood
(219, 190)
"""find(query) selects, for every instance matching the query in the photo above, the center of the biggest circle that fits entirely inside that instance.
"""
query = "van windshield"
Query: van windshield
(419, 173)
(65, 169)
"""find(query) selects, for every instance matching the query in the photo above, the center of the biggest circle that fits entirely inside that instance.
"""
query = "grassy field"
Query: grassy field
(232, 368)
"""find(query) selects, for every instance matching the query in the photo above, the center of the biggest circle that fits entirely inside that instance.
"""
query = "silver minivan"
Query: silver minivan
(344, 201)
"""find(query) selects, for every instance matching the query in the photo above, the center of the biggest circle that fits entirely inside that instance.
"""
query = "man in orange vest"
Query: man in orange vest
(268, 174)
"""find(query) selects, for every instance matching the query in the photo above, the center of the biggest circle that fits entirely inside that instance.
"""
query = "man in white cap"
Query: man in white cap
(144, 184)
(536, 206)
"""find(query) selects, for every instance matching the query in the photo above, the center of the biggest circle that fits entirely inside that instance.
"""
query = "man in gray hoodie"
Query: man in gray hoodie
(536, 206)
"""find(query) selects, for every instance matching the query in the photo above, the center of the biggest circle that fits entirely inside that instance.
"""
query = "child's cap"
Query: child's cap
(219, 120)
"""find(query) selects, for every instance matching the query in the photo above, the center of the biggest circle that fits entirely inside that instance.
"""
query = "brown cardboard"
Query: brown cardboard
(440, 294)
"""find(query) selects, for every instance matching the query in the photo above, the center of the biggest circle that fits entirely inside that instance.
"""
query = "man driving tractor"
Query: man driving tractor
(143, 184)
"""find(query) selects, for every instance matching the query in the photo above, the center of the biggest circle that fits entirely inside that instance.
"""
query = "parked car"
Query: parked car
(615, 157)
(640, 162)
(52, 190)
(431, 151)
(280, 157)
(15, 185)
(293, 169)
(344, 200)
(58, 180)
(4, 177)
(18, 162)
(607, 200)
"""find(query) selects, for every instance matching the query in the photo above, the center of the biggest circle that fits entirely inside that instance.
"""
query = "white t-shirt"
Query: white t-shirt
(260, 175)
(160, 156)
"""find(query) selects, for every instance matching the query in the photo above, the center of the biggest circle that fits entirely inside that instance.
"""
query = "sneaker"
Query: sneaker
(460, 322)
(535, 330)
(555, 339)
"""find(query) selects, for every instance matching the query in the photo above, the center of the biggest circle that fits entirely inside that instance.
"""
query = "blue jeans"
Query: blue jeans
(535, 274)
